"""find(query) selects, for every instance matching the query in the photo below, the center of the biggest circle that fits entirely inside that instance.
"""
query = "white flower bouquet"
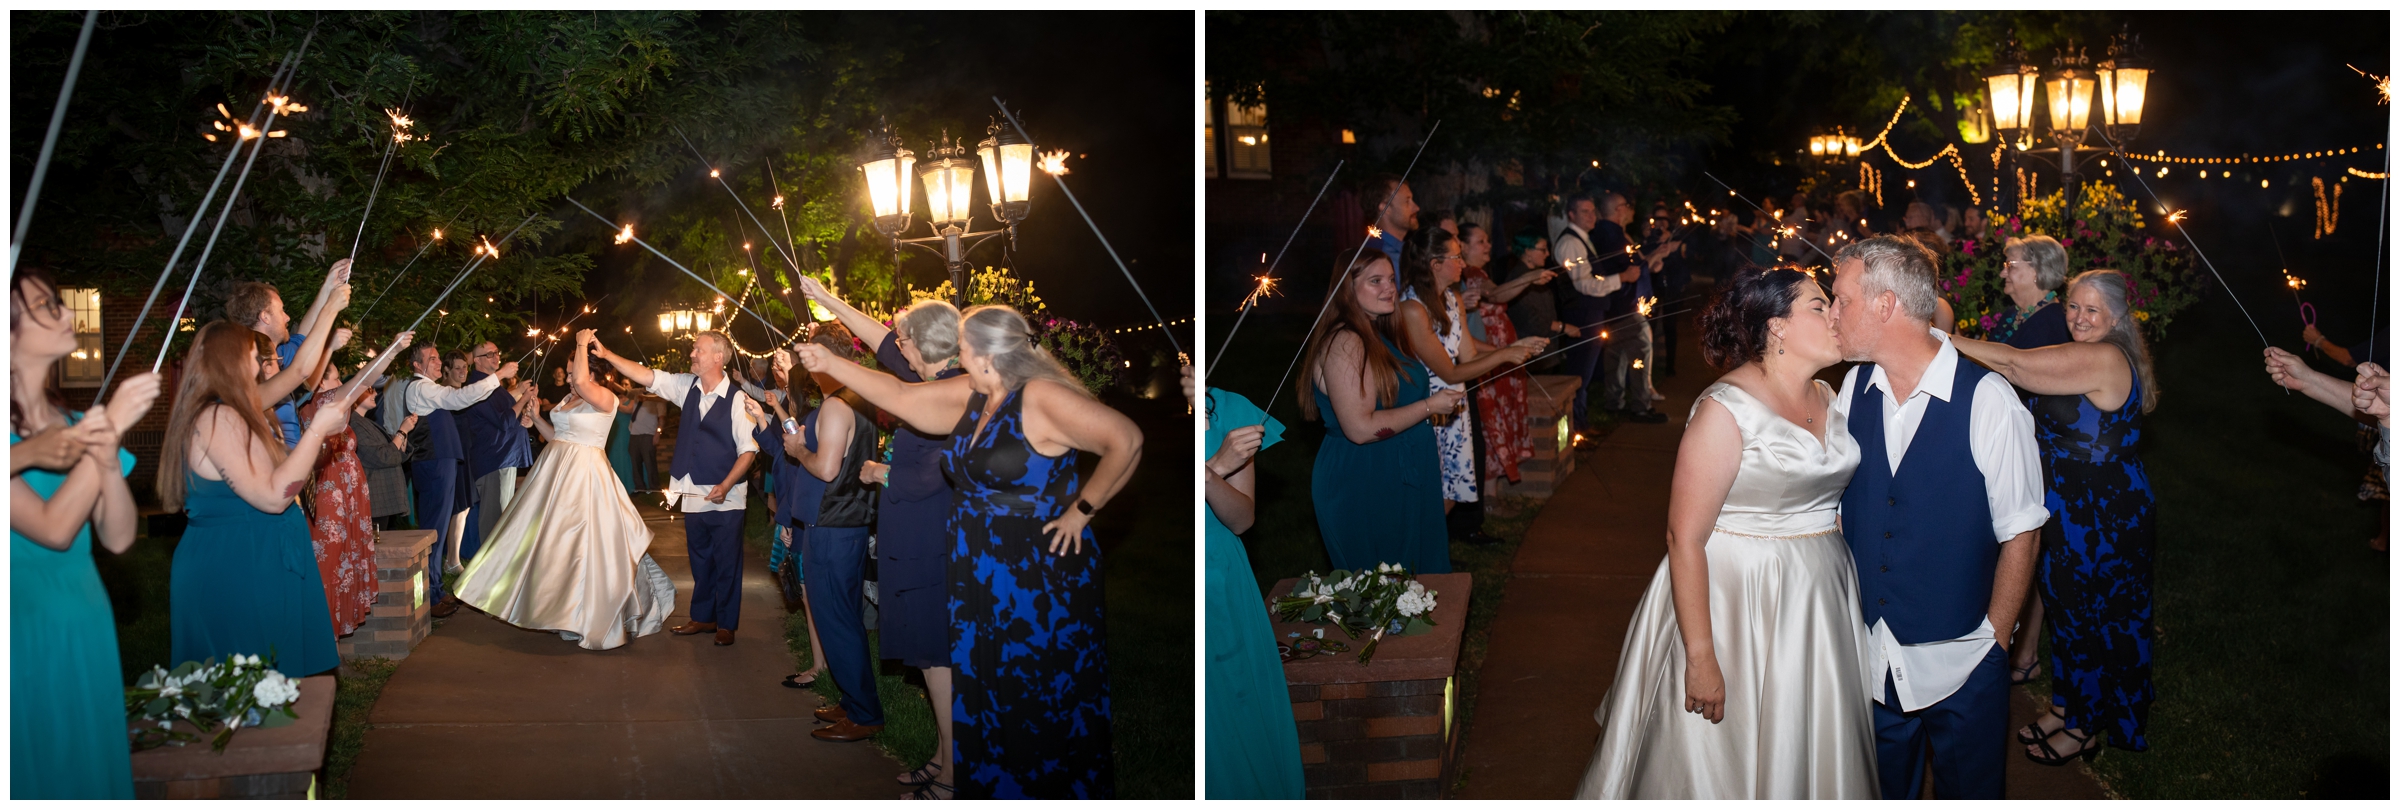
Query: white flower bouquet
(242, 692)
(1387, 600)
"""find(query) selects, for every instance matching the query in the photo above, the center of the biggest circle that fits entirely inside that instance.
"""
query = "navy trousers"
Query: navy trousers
(836, 562)
(1968, 732)
(714, 540)
(441, 491)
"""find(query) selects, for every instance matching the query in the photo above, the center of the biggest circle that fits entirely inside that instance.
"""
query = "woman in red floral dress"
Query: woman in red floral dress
(342, 524)
(1502, 400)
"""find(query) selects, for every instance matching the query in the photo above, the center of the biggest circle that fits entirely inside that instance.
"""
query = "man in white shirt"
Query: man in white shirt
(1596, 269)
(1941, 518)
(713, 452)
(438, 470)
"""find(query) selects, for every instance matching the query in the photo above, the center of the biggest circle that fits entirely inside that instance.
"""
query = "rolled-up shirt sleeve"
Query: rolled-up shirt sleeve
(2002, 441)
(1579, 267)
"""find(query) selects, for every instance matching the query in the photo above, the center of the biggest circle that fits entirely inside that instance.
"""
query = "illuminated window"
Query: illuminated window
(1208, 137)
(1246, 142)
(82, 367)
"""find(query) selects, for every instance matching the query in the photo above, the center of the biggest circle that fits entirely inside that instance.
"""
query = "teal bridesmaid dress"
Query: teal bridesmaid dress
(620, 449)
(1381, 502)
(66, 693)
(245, 581)
(1253, 746)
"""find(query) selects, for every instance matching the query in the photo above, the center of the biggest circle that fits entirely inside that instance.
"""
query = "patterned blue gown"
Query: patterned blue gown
(2095, 584)
(1030, 713)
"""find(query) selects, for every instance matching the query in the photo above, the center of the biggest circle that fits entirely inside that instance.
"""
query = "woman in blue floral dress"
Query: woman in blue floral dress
(2095, 583)
(1030, 715)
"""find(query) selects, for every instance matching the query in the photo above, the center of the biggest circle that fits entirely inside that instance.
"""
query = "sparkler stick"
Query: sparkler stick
(781, 213)
(2176, 219)
(1087, 220)
(400, 125)
(627, 236)
(490, 252)
(737, 198)
(288, 64)
(412, 262)
(1266, 282)
(562, 330)
(58, 119)
(1812, 245)
(1498, 373)
(276, 105)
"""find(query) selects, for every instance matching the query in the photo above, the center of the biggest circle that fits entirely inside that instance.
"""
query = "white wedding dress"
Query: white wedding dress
(571, 554)
(1784, 617)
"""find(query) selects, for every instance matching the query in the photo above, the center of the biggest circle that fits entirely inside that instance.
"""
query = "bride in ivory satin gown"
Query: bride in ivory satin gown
(571, 554)
(1743, 673)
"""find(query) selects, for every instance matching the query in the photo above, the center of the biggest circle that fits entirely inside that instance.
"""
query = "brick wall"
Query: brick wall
(1375, 740)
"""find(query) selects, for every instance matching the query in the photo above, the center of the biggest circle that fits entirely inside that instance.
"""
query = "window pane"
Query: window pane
(1246, 142)
(83, 367)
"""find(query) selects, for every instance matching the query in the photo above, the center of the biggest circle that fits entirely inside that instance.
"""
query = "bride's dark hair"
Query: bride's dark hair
(1733, 329)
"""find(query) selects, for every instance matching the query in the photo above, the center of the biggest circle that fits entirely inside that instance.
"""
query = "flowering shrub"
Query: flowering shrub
(243, 691)
(2104, 233)
(1084, 349)
(1388, 599)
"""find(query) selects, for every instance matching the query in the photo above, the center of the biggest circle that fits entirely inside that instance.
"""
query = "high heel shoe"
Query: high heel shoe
(2089, 747)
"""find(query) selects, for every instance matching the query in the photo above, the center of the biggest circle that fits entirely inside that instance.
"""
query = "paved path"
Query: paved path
(484, 710)
(1576, 581)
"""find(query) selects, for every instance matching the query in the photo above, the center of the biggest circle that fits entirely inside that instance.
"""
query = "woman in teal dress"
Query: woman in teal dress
(620, 435)
(245, 575)
(66, 689)
(1377, 484)
(1253, 746)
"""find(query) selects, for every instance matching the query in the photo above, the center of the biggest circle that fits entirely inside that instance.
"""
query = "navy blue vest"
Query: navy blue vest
(704, 446)
(493, 438)
(1574, 308)
(1922, 539)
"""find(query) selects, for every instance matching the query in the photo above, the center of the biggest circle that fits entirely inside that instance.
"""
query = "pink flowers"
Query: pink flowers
(1967, 247)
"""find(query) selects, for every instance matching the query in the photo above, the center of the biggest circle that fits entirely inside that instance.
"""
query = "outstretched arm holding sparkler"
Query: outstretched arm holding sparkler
(333, 296)
(2289, 371)
(868, 330)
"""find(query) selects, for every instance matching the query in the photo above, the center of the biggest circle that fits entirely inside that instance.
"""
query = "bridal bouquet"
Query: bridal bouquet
(1387, 600)
(243, 691)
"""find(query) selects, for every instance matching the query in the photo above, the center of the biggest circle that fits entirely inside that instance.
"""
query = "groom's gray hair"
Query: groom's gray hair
(1898, 264)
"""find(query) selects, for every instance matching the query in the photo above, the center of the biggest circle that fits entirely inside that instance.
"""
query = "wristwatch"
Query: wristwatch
(1083, 506)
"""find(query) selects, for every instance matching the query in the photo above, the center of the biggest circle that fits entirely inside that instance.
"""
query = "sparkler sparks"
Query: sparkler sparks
(778, 203)
(2295, 282)
(2383, 84)
(1265, 288)
(400, 126)
(625, 236)
(1646, 304)
(1055, 162)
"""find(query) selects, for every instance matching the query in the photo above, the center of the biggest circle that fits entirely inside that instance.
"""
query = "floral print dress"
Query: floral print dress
(1455, 441)
(343, 527)
(1502, 397)
(2096, 584)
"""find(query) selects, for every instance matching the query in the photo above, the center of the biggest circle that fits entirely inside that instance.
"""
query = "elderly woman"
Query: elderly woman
(1500, 403)
(1031, 713)
(2089, 396)
(382, 454)
(2031, 270)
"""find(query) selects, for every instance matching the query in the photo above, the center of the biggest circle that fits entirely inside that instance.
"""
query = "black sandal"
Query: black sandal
(921, 775)
(2051, 756)
(793, 681)
(926, 792)
(2019, 676)
(2032, 734)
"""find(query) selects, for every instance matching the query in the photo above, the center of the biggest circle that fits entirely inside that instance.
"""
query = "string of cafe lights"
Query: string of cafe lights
(1132, 329)
(2246, 160)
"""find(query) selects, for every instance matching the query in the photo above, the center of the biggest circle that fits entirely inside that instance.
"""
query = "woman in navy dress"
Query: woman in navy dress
(2031, 271)
(1377, 483)
(912, 528)
(2090, 396)
(1030, 716)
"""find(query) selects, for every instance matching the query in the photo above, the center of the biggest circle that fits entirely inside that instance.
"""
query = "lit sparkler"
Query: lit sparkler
(1055, 162)
(2383, 84)
(625, 236)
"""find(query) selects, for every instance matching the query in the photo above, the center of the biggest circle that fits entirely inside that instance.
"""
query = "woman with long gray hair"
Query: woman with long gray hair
(2089, 398)
(1030, 716)
(912, 527)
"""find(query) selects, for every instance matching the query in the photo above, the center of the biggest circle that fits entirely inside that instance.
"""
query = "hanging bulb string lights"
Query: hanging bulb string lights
(2161, 157)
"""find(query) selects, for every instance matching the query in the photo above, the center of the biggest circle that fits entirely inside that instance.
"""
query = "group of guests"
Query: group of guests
(990, 578)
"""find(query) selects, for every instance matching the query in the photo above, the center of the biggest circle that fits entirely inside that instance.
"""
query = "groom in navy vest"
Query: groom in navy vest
(1941, 518)
(713, 451)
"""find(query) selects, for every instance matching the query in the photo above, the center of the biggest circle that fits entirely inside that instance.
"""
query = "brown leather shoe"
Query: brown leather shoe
(724, 638)
(846, 731)
(694, 628)
(445, 608)
(832, 714)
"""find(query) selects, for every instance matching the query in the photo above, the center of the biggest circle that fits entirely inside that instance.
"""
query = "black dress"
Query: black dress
(1030, 713)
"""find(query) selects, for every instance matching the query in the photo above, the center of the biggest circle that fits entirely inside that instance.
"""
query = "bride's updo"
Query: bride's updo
(1733, 329)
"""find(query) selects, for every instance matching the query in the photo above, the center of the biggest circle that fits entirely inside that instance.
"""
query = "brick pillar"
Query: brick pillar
(1380, 730)
(402, 615)
(1546, 407)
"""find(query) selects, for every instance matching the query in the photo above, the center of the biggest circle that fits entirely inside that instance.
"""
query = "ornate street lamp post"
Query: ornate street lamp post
(2121, 85)
(948, 177)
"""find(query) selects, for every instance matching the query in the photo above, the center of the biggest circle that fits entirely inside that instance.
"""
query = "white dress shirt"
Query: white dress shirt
(2000, 436)
(426, 394)
(1577, 263)
(673, 387)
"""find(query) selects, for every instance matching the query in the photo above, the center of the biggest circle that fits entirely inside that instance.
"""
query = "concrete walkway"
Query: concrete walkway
(484, 710)
(1577, 579)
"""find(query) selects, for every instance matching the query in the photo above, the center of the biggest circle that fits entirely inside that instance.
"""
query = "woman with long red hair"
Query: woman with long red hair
(1377, 483)
(245, 577)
